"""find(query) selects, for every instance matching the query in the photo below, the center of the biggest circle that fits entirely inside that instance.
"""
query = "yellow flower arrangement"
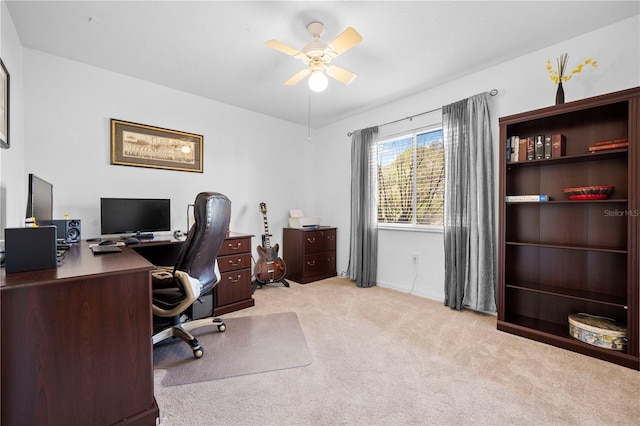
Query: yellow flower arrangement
(559, 75)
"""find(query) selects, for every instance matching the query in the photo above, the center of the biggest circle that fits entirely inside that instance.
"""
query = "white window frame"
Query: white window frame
(413, 227)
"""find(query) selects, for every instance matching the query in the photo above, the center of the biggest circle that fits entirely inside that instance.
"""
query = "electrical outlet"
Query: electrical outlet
(414, 259)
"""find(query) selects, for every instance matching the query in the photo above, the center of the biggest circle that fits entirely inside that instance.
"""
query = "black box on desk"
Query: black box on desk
(30, 249)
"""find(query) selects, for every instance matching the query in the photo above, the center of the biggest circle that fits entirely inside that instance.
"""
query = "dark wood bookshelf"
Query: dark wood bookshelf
(562, 256)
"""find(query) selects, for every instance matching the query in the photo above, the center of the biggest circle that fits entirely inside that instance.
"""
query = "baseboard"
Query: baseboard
(415, 292)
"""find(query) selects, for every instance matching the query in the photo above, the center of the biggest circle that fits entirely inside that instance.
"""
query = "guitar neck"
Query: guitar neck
(267, 243)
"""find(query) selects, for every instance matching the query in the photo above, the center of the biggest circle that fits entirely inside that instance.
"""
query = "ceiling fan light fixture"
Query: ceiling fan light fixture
(316, 56)
(318, 81)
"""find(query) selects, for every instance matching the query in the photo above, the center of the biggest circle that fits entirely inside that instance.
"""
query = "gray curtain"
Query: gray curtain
(363, 244)
(469, 229)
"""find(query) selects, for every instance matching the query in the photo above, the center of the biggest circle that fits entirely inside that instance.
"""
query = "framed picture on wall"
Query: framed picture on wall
(141, 145)
(4, 106)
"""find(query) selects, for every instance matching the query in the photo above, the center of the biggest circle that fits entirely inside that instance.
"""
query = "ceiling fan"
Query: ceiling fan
(317, 55)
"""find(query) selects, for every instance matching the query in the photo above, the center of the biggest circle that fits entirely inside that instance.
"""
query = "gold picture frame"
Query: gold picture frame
(4, 106)
(141, 145)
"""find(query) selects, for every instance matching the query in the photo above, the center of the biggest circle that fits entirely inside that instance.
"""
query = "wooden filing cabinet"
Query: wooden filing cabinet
(233, 292)
(309, 253)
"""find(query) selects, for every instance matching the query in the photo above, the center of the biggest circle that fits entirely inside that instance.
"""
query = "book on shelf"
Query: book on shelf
(530, 148)
(558, 144)
(522, 149)
(611, 144)
(539, 147)
(610, 141)
(532, 198)
(547, 146)
(513, 149)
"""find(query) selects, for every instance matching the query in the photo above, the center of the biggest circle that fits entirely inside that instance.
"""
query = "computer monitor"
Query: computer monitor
(40, 199)
(138, 217)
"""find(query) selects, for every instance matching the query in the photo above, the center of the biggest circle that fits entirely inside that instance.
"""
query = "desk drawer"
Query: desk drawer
(235, 246)
(233, 262)
(318, 241)
(329, 239)
(319, 264)
(233, 286)
(313, 242)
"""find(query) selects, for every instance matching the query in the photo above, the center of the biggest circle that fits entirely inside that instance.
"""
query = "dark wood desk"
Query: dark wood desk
(76, 342)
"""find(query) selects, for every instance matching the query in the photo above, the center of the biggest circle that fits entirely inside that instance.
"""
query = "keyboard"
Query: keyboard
(105, 249)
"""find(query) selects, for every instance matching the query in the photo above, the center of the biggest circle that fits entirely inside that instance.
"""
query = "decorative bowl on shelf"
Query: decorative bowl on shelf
(600, 192)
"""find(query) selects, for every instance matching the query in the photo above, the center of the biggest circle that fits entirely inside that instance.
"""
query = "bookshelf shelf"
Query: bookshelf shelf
(577, 158)
(618, 301)
(576, 202)
(568, 247)
(557, 335)
(561, 256)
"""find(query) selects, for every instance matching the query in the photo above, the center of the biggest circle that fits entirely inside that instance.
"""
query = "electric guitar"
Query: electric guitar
(269, 267)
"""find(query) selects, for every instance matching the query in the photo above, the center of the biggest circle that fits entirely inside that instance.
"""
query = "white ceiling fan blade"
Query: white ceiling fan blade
(345, 41)
(297, 77)
(343, 75)
(284, 48)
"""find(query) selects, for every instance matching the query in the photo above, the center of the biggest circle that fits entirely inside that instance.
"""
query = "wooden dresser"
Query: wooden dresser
(309, 253)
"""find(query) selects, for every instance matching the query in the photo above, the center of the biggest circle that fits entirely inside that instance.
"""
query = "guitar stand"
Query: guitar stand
(255, 283)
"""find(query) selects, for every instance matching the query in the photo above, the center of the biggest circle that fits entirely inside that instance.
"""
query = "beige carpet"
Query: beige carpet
(381, 357)
(252, 344)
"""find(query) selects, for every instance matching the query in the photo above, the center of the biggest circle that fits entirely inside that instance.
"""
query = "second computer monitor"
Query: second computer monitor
(135, 216)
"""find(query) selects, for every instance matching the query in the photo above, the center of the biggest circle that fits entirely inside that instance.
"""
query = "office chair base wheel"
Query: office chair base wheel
(197, 349)
(220, 324)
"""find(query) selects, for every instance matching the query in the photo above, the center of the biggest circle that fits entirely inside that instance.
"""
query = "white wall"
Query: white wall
(523, 85)
(247, 156)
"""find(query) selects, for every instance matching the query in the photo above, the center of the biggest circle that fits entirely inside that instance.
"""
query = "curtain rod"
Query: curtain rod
(411, 117)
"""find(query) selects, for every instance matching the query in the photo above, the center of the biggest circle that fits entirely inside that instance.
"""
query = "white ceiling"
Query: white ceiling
(216, 49)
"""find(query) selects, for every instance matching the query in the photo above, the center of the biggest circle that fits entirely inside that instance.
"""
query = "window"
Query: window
(410, 174)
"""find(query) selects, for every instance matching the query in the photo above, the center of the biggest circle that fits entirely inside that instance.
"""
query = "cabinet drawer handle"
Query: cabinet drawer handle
(311, 263)
(236, 247)
(232, 263)
(331, 237)
(311, 240)
(236, 280)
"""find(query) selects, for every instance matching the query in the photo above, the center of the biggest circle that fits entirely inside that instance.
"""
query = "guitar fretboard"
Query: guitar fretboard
(267, 243)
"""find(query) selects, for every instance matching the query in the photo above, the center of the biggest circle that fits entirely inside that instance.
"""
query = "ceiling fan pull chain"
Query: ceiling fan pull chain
(309, 120)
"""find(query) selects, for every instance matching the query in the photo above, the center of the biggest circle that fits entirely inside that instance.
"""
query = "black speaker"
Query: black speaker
(30, 249)
(68, 229)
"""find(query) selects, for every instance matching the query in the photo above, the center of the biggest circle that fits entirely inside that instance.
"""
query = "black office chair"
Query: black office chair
(195, 273)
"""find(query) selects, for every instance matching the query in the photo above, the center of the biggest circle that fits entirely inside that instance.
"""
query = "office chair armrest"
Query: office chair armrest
(191, 287)
(162, 277)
